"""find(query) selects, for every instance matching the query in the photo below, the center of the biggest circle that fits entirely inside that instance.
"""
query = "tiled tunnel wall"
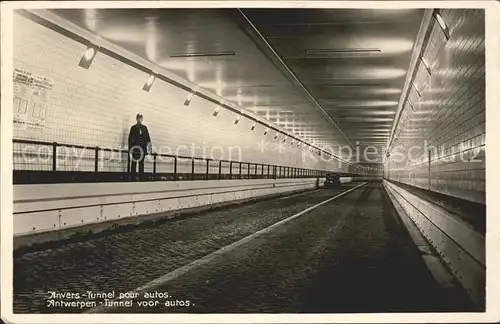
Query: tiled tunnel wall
(96, 107)
(439, 143)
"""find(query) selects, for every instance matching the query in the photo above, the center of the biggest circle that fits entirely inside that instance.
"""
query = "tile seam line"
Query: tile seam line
(210, 257)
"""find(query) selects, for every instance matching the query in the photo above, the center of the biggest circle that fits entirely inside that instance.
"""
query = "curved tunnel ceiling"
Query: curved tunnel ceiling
(352, 61)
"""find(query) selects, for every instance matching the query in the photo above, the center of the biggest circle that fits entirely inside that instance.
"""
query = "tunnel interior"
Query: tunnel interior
(249, 113)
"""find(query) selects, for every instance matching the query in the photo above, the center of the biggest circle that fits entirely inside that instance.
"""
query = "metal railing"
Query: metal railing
(38, 161)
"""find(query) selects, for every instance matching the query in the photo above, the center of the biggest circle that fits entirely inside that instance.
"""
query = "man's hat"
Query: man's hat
(138, 115)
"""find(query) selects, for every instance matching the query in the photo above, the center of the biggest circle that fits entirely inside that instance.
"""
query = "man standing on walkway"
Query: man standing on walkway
(139, 144)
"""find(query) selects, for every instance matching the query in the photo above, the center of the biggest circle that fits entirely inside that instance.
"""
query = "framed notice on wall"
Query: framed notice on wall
(31, 95)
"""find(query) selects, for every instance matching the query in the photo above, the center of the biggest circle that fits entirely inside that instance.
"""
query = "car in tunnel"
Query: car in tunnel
(332, 180)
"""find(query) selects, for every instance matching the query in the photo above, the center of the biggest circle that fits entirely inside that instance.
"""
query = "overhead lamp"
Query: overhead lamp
(188, 99)
(265, 132)
(341, 51)
(88, 56)
(216, 110)
(237, 120)
(349, 85)
(291, 143)
(203, 54)
(276, 136)
(424, 62)
(149, 82)
(253, 126)
(443, 25)
(416, 89)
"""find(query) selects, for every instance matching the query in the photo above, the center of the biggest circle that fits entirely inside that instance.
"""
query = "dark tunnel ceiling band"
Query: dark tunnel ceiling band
(50, 25)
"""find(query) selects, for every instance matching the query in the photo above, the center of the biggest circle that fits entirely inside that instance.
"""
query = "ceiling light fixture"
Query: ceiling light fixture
(88, 56)
(237, 120)
(424, 62)
(416, 89)
(257, 86)
(216, 110)
(188, 99)
(443, 25)
(253, 126)
(265, 132)
(341, 50)
(347, 85)
(203, 54)
(149, 82)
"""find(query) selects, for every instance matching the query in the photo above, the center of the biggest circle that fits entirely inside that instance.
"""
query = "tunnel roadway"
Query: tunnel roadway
(351, 254)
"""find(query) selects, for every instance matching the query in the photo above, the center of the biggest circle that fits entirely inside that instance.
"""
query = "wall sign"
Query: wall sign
(31, 95)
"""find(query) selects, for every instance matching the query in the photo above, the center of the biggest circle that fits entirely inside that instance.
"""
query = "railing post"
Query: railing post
(230, 169)
(429, 176)
(154, 163)
(175, 168)
(192, 168)
(248, 170)
(128, 162)
(96, 159)
(262, 171)
(220, 170)
(239, 174)
(208, 166)
(54, 156)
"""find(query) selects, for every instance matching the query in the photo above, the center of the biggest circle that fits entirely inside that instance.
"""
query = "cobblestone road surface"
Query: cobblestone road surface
(350, 255)
(126, 260)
